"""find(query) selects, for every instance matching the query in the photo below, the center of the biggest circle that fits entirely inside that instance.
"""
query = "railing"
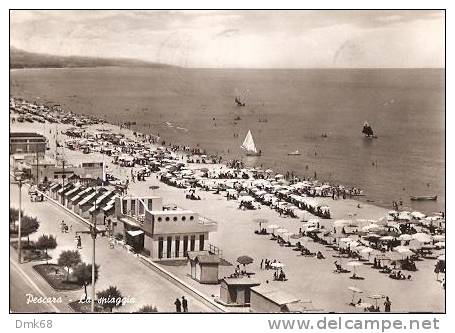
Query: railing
(215, 250)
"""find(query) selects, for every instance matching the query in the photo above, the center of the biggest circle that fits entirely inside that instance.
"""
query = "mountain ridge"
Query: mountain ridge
(25, 59)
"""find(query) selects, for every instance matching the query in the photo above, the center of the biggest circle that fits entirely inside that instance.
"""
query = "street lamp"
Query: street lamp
(18, 178)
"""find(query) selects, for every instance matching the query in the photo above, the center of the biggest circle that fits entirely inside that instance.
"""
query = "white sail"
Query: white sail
(248, 144)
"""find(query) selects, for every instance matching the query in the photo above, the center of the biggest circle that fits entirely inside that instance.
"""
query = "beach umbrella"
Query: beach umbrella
(440, 244)
(376, 297)
(261, 221)
(439, 237)
(273, 226)
(405, 237)
(442, 257)
(341, 223)
(367, 250)
(354, 291)
(370, 227)
(353, 244)
(421, 237)
(277, 265)
(245, 260)
(403, 250)
(428, 246)
(346, 240)
(281, 230)
(386, 238)
(363, 305)
(354, 265)
(312, 229)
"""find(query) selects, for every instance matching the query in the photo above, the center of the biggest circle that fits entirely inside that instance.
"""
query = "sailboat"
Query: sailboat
(368, 131)
(249, 146)
(294, 153)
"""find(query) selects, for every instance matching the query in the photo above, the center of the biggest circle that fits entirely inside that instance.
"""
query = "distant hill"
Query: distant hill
(24, 59)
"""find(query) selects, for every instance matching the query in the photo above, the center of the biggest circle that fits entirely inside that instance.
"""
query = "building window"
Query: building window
(177, 246)
(159, 219)
(133, 207)
(160, 247)
(149, 204)
(175, 218)
(167, 218)
(169, 246)
(183, 218)
(124, 206)
(191, 218)
(201, 242)
(185, 246)
(192, 242)
(55, 176)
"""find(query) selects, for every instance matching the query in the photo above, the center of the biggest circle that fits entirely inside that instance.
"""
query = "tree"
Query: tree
(110, 298)
(69, 259)
(29, 225)
(46, 242)
(147, 309)
(83, 274)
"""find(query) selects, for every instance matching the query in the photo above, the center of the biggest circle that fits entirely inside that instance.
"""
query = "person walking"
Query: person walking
(184, 304)
(178, 305)
(387, 304)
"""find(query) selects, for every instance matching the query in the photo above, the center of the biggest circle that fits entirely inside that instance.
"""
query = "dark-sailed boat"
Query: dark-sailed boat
(368, 131)
(239, 102)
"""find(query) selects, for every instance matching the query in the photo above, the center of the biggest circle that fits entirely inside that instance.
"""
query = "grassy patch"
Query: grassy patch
(84, 307)
(55, 275)
(30, 253)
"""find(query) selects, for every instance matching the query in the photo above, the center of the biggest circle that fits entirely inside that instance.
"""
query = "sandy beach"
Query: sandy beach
(308, 277)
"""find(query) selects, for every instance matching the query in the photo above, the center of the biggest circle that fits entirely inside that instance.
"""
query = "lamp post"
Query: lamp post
(94, 232)
(18, 177)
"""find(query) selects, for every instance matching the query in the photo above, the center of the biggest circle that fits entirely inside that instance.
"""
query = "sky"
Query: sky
(240, 39)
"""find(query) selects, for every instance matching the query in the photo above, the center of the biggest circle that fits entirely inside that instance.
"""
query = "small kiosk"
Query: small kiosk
(237, 291)
(204, 266)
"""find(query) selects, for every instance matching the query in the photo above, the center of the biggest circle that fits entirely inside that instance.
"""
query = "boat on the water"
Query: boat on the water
(294, 153)
(368, 131)
(424, 198)
(249, 147)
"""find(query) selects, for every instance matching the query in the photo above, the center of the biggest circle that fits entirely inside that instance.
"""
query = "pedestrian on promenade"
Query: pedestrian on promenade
(387, 304)
(184, 304)
(178, 305)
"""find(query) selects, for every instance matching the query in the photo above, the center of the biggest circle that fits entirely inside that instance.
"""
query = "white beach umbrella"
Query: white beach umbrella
(281, 230)
(386, 238)
(367, 250)
(354, 291)
(277, 265)
(442, 257)
(421, 237)
(405, 237)
(354, 264)
(440, 244)
(439, 237)
(273, 226)
(403, 250)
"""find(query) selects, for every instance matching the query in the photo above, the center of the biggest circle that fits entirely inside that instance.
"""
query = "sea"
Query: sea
(319, 112)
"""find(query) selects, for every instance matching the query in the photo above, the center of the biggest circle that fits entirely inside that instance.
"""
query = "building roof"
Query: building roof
(274, 295)
(25, 134)
(301, 306)
(244, 281)
(204, 258)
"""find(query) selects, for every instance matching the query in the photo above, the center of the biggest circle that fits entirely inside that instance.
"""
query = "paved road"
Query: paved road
(117, 266)
(20, 286)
